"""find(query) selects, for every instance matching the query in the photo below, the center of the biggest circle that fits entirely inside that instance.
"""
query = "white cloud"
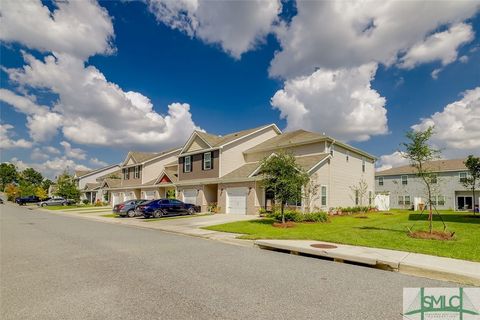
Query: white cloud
(38, 155)
(463, 59)
(389, 161)
(238, 26)
(339, 34)
(51, 168)
(6, 140)
(79, 28)
(75, 153)
(41, 123)
(51, 150)
(441, 46)
(340, 103)
(457, 126)
(95, 111)
(97, 163)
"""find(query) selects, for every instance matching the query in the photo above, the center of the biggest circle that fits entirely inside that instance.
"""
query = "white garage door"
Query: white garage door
(237, 200)
(190, 196)
(117, 197)
(149, 195)
(129, 195)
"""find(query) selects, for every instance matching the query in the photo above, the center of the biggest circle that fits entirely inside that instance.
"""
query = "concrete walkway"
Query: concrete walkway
(433, 267)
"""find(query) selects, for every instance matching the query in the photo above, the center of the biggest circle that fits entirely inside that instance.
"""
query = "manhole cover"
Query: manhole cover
(323, 246)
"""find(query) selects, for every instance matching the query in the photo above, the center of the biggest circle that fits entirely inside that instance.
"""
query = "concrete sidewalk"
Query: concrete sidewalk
(433, 267)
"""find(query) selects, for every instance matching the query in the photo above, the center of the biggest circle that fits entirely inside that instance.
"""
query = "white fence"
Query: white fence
(382, 202)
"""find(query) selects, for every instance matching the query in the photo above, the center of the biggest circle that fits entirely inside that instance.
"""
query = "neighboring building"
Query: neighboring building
(223, 170)
(144, 175)
(403, 186)
(90, 188)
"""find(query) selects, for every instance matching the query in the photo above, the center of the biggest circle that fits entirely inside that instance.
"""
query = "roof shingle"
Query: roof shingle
(434, 166)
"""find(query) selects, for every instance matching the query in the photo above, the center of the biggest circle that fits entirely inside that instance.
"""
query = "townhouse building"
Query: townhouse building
(89, 182)
(406, 189)
(223, 171)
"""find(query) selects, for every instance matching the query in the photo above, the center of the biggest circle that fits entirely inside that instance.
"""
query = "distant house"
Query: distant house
(403, 186)
(89, 185)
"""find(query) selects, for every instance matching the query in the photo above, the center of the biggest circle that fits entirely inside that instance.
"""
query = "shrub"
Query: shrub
(98, 203)
(296, 216)
(12, 192)
(85, 201)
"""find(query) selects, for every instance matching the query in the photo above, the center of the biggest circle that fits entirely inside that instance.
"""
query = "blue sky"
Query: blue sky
(365, 81)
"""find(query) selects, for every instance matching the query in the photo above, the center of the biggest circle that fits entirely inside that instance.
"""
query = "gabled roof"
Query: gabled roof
(91, 186)
(81, 173)
(249, 170)
(142, 157)
(434, 166)
(217, 141)
(111, 174)
(171, 174)
(112, 183)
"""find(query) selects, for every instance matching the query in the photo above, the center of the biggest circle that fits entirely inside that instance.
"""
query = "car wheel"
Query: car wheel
(191, 210)
(44, 204)
(158, 214)
(131, 213)
(64, 204)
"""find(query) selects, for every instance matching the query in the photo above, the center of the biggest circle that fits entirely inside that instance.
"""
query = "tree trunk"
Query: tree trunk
(473, 196)
(283, 214)
(430, 214)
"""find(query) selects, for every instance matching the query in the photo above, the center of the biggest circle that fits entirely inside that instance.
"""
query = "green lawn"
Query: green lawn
(381, 230)
(110, 215)
(68, 207)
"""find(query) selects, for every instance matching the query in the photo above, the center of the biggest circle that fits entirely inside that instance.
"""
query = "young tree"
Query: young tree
(31, 176)
(67, 188)
(311, 193)
(284, 177)
(419, 152)
(8, 174)
(360, 191)
(12, 191)
(473, 165)
(46, 183)
(41, 193)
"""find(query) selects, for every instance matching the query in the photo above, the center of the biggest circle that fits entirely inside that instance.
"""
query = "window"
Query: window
(407, 200)
(347, 158)
(136, 172)
(357, 200)
(187, 164)
(438, 200)
(126, 174)
(433, 179)
(332, 150)
(380, 181)
(404, 200)
(324, 196)
(363, 164)
(370, 198)
(463, 176)
(404, 180)
(207, 161)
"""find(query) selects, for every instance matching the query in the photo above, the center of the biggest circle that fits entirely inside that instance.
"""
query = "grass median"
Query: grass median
(380, 230)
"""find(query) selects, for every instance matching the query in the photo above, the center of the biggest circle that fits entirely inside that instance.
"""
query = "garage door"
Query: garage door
(149, 195)
(190, 196)
(237, 200)
(129, 195)
(117, 197)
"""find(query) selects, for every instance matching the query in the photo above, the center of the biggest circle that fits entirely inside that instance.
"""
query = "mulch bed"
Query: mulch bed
(288, 224)
(435, 235)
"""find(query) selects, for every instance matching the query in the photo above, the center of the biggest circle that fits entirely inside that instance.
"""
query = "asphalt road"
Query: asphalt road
(60, 267)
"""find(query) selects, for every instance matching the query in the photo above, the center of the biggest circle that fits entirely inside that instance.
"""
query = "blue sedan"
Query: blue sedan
(165, 207)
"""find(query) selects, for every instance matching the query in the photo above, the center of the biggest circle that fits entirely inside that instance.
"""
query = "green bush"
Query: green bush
(296, 216)
(85, 201)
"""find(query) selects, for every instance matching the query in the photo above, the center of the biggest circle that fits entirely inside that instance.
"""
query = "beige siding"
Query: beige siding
(307, 149)
(82, 181)
(151, 170)
(321, 177)
(345, 174)
(197, 144)
(232, 156)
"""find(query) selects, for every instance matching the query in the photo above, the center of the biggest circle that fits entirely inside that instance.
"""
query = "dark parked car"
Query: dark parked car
(24, 200)
(128, 208)
(165, 207)
(55, 201)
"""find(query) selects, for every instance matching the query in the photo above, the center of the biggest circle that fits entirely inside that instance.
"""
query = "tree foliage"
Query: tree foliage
(31, 176)
(284, 177)
(8, 174)
(67, 188)
(473, 165)
(419, 152)
(12, 191)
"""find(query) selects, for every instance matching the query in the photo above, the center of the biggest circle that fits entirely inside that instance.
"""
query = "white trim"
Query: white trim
(319, 163)
(190, 140)
(210, 160)
(273, 125)
(259, 165)
(159, 156)
(326, 196)
(185, 164)
(199, 151)
(99, 170)
(163, 173)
